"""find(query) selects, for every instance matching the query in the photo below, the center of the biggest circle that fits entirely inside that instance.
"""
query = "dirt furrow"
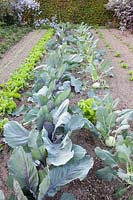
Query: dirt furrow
(120, 85)
(18, 53)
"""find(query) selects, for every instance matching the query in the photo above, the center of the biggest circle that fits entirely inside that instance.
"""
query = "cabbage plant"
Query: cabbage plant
(42, 161)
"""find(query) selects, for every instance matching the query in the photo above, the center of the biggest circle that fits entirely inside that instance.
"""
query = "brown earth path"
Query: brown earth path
(120, 85)
(11, 61)
(18, 53)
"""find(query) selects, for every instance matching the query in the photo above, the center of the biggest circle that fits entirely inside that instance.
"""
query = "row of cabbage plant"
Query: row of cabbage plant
(44, 157)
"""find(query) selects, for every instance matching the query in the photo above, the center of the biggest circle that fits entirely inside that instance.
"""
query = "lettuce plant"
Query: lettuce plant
(18, 80)
(88, 108)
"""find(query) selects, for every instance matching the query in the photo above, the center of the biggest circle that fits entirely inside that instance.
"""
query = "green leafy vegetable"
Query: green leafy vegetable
(88, 108)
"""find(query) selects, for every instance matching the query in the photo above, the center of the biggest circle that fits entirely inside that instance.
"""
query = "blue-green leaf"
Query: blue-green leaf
(22, 168)
(2, 196)
(15, 134)
(67, 196)
(62, 175)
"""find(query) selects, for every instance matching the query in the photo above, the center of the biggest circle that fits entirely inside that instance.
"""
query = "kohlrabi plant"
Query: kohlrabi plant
(119, 164)
(131, 75)
(105, 115)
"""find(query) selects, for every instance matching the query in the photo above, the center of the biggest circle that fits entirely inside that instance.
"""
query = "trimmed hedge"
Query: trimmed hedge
(89, 11)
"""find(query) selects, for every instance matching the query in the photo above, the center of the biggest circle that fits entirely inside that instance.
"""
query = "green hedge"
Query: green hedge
(76, 11)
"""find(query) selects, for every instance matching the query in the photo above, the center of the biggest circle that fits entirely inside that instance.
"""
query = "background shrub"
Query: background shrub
(19, 11)
(76, 11)
(27, 11)
(123, 10)
(7, 14)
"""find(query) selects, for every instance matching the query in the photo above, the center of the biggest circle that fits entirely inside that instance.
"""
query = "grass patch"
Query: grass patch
(9, 35)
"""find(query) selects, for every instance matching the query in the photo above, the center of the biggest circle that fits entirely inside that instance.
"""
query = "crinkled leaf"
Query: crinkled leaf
(15, 134)
(62, 175)
(21, 167)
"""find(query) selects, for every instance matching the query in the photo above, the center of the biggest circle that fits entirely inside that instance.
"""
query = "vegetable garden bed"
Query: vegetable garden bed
(58, 140)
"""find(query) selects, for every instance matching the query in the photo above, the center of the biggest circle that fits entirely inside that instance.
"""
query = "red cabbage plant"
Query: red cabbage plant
(123, 10)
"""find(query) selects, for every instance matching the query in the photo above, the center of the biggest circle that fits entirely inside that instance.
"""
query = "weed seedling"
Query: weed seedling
(101, 36)
(121, 61)
(131, 78)
(131, 72)
(117, 55)
(124, 65)
(1, 145)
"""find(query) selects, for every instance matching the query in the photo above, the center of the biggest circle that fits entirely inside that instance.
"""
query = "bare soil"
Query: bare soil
(120, 86)
(91, 188)
(18, 53)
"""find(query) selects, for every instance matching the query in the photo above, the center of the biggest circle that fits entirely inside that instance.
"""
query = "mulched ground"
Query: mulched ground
(91, 188)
